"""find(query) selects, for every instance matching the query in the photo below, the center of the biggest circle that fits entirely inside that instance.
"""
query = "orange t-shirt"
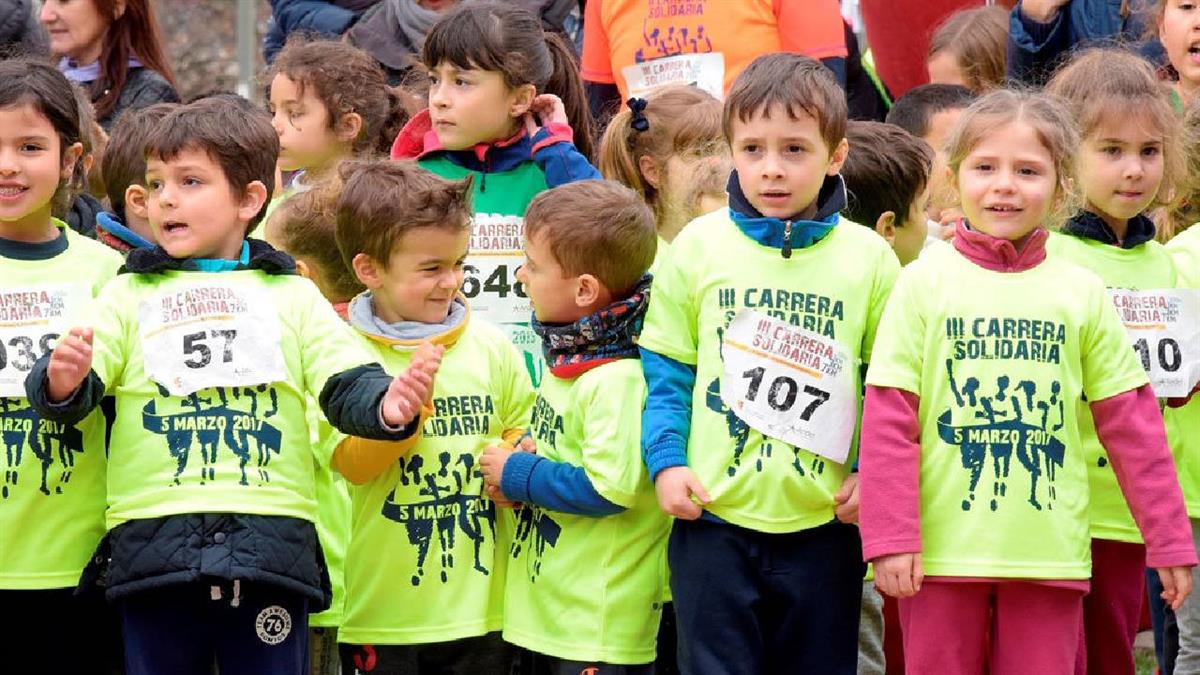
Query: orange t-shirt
(640, 44)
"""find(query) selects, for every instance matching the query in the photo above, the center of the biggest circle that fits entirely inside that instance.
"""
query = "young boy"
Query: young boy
(210, 344)
(123, 168)
(426, 560)
(586, 584)
(887, 179)
(761, 319)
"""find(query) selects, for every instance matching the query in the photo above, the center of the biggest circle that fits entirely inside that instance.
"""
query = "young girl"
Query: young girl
(973, 471)
(52, 494)
(671, 150)
(1178, 21)
(330, 101)
(506, 105)
(969, 49)
(1127, 164)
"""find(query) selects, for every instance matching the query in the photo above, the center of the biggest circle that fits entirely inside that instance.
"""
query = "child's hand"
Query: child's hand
(1177, 585)
(491, 464)
(899, 575)
(428, 357)
(402, 402)
(69, 364)
(498, 497)
(545, 110)
(847, 500)
(678, 488)
(527, 444)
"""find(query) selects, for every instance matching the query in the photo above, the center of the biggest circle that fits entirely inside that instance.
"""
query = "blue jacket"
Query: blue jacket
(314, 16)
(1035, 49)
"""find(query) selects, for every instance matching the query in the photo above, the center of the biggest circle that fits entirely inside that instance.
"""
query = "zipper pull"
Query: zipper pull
(787, 239)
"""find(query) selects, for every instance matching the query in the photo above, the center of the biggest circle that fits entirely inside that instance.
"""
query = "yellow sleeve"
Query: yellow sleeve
(361, 460)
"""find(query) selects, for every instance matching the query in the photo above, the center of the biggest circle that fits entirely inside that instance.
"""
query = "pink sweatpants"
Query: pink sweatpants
(994, 627)
(1112, 609)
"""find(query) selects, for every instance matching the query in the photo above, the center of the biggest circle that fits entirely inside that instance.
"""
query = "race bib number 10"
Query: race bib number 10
(790, 384)
(1165, 328)
(211, 335)
(31, 321)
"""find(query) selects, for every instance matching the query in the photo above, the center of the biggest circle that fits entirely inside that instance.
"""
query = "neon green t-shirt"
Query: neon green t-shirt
(836, 288)
(1183, 424)
(999, 362)
(253, 346)
(333, 516)
(580, 587)
(426, 557)
(52, 494)
(1147, 267)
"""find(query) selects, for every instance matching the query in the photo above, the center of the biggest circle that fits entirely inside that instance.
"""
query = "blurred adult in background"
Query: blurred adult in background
(329, 18)
(20, 33)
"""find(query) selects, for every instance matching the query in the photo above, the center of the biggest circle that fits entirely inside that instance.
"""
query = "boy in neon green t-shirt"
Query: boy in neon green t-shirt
(761, 319)
(211, 345)
(424, 530)
(585, 583)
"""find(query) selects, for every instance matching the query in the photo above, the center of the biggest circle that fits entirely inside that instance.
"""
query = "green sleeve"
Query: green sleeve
(112, 317)
(887, 269)
(899, 351)
(670, 325)
(1110, 366)
(328, 345)
(610, 404)
(516, 408)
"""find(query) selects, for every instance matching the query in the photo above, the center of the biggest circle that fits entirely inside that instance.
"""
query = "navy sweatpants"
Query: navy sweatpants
(248, 630)
(752, 603)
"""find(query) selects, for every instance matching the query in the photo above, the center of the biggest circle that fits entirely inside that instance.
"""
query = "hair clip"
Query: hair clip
(639, 122)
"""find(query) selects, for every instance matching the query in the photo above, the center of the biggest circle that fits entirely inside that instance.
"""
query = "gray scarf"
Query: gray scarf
(363, 317)
(394, 32)
(411, 20)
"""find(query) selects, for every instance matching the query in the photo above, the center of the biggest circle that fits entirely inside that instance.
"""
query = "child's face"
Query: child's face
(692, 187)
(944, 69)
(1179, 31)
(551, 292)
(306, 139)
(472, 106)
(32, 165)
(422, 277)
(911, 233)
(1120, 168)
(782, 162)
(941, 123)
(1007, 184)
(194, 211)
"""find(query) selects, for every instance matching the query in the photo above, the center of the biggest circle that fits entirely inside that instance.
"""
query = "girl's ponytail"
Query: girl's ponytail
(566, 83)
(618, 158)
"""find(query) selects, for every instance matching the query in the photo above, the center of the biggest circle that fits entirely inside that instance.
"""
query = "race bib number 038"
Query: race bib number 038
(211, 335)
(1165, 328)
(790, 384)
(31, 321)
(490, 274)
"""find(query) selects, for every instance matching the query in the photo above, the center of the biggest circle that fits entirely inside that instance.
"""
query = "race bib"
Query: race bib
(211, 335)
(1165, 328)
(703, 71)
(31, 321)
(490, 274)
(791, 384)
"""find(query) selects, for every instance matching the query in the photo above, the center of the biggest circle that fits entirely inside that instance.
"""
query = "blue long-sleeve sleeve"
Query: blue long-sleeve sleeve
(555, 154)
(1034, 47)
(557, 486)
(667, 417)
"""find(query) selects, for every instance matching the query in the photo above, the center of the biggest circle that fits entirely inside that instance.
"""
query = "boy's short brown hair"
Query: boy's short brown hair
(124, 162)
(796, 83)
(382, 200)
(596, 227)
(243, 143)
(885, 170)
(306, 227)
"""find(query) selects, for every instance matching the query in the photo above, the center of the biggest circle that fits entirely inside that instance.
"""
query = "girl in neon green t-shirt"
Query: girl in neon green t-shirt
(972, 465)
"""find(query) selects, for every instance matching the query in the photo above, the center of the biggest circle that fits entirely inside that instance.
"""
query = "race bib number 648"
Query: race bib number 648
(791, 384)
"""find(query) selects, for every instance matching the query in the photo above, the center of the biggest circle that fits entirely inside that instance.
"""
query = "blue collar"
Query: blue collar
(222, 265)
(787, 235)
(116, 228)
(1088, 225)
(495, 157)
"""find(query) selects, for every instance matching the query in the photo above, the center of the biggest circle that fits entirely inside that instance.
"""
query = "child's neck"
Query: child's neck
(1186, 90)
(140, 226)
(1119, 226)
(35, 228)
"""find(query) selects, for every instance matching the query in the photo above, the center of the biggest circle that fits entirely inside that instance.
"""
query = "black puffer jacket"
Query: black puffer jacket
(143, 87)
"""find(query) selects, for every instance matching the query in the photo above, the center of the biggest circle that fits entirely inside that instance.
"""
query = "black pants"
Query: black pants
(751, 603)
(540, 664)
(249, 630)
(483, 655)
(55, 632)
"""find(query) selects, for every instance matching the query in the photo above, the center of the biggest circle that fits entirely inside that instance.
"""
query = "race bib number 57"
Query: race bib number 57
(1165, 328)
(31, 321)
(791, 384)
(211, 335)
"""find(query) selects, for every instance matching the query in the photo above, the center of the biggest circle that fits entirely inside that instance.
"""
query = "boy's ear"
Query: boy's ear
(253, 199)
(649, 170)
(521, 100)
(303, 269)
(366, 270)
(587, 290)
(135, 201)
(838, 157)
(88, 162)
(349, 127)
(70, 157)
(885, 226)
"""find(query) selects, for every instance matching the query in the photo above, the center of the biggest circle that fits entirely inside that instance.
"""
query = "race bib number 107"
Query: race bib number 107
(31, 321)
(1165, 328)
(790, 384)
(211, 335)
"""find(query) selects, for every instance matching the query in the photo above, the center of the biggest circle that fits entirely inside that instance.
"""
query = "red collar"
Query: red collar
(1001, 255)
(418, 139)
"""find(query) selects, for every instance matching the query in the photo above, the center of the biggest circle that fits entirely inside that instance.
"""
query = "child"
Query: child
(668, 148)
(1127, 162)
(399, 578)
(1178, 21)
(124, 169)
(76, 207)
(329, 101)
(764, 551)
(887, 184)
(585, 587)
(969, 49)
(52, 495)
(508, 122)
(210, 344)
(983, 352)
